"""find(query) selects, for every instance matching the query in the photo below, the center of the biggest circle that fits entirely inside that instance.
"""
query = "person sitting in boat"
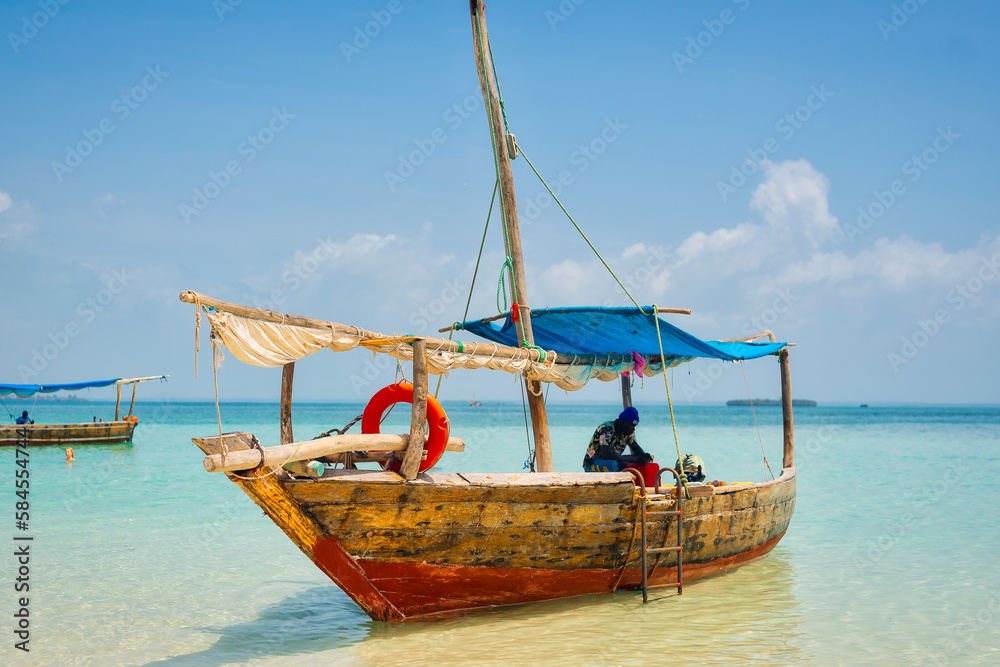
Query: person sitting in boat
(23, 419)
(604, 454)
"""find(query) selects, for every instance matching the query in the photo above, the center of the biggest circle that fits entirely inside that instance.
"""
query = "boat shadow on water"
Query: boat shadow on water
(313, 620)
(751, 612)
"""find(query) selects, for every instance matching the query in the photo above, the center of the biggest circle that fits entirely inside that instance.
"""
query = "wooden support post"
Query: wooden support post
(118, 402)
(788, 458)
(512, 237)
(287, 374)
(627, 391)
(131, 405)
(418, 416)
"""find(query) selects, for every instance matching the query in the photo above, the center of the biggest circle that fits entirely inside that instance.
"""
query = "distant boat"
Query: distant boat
(474, 403)
(864, 405)
(770, 402)
(118, 430)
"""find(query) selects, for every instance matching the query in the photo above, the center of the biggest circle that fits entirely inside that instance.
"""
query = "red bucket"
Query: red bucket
(648, 471)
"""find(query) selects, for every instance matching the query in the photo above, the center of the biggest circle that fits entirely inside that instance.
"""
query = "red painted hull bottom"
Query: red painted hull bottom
(414, 591)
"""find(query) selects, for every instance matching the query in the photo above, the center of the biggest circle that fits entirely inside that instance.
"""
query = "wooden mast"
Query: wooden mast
(512, 236)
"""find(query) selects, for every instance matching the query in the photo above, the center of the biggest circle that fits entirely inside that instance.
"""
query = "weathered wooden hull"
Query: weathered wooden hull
(68, 434)
(445, 543)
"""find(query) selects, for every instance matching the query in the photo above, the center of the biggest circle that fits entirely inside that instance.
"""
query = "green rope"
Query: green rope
(613, 275)
(670, 403)
(502, 287)
(482, 244)
(528, 346)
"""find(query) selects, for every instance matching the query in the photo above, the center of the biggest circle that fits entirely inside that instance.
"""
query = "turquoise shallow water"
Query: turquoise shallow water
(140, 557)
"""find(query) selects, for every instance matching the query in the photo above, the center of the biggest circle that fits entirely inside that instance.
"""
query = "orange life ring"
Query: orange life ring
(438, 427)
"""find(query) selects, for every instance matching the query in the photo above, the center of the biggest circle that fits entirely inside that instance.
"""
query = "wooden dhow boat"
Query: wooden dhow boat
(407, 543)
(119, 429)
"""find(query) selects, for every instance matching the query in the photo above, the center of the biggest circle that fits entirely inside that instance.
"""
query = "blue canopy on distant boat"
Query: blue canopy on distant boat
(26, 390)
(615, 331)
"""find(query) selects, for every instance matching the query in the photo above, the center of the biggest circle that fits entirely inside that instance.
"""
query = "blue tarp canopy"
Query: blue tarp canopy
(614, 331)
(26, 390)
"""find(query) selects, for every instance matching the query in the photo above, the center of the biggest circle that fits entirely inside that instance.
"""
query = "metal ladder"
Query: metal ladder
(646, 550)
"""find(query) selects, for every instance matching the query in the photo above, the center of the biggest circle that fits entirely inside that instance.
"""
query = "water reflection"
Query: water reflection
(751, 615)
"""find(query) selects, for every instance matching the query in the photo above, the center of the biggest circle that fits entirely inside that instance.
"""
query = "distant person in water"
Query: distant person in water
(604, 453)
(69, 455)
(23, 419)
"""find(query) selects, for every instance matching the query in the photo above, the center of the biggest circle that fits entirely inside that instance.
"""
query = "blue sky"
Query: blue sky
(274, 155)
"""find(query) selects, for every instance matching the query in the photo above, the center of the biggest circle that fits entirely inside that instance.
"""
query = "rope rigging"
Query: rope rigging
(475, 272)
(767, 466)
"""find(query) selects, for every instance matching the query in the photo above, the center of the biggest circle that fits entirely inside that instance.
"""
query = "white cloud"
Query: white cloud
(104, 203)
(18, 220)
(734, 273)
(792, 199)
(721, 240)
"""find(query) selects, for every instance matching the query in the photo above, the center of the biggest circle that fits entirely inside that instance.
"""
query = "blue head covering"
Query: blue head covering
(630, 414)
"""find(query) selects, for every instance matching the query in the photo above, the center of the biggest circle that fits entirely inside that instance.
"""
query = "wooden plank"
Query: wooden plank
(499, 351)
(118, 401)
(418, 413)
(311, 449)
(705, 539)
(287, 375)
(343, 490)
(693, 491)
(456, 514)
(234, 442)
(520, 546)
(547, 479)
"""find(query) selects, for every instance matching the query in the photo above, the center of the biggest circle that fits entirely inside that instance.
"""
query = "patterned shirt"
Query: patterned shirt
(605, 435)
